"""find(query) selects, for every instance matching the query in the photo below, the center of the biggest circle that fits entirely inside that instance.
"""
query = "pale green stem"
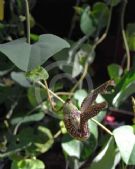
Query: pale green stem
(27, 21)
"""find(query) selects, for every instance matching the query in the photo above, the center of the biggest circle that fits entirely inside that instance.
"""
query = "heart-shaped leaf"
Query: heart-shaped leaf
(125, 140)
(26, 56)
(108, 158)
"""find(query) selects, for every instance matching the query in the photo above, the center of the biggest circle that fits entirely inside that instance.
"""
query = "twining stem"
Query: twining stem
(27, 21)
(49, 97)
(124, 35)
(102, 126)
(57, 134)
(60, 99)
(51, 92)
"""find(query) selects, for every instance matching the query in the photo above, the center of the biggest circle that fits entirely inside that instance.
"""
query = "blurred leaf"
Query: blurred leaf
(28, 164)
(4, 72)
(125, 140)
(36, 95)
(37, 74)
(79, 95)
(115, 71)
(27, 57)
(28, 118)
(34, 37)
(41, 140)
(107, 158)
(86, 22)
(100, 14)
(79, 10)
(77, 67)
(20, 78)
(4, 93)
(130, 35)
(124, 88)
(115, 2)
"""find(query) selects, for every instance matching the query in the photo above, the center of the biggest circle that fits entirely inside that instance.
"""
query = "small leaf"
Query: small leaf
(125, 140)
(106, 159)
(37, 74)
(86, 22)
(20, 78)
(27, 57)
(100, 14)
(80, 95)
(28, 164)
(130, 35)
(115, 71)
(72, 147)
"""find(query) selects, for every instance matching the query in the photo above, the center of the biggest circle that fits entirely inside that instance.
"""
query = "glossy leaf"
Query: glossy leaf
(27, 57)
(28, 164)
(115, 71)
(124, 88)
(108, 158)
(125, 140)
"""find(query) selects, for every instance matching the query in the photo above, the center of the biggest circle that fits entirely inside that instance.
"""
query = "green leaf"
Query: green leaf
(124, 88)
(71, 147)
(115, 71)
(100, 14)
(115, 2)
(79, 95)
(27, 57)
(130, 35)
(125, 140)
(28, 164)
(86, 22)
(37, 74)
(107, 158)
(20, 78)
(40, 140)
(30, 118)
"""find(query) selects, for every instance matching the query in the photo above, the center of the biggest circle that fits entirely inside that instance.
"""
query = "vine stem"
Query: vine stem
(27, 21)
(124, 35)
(60, 99)
(51, 92)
